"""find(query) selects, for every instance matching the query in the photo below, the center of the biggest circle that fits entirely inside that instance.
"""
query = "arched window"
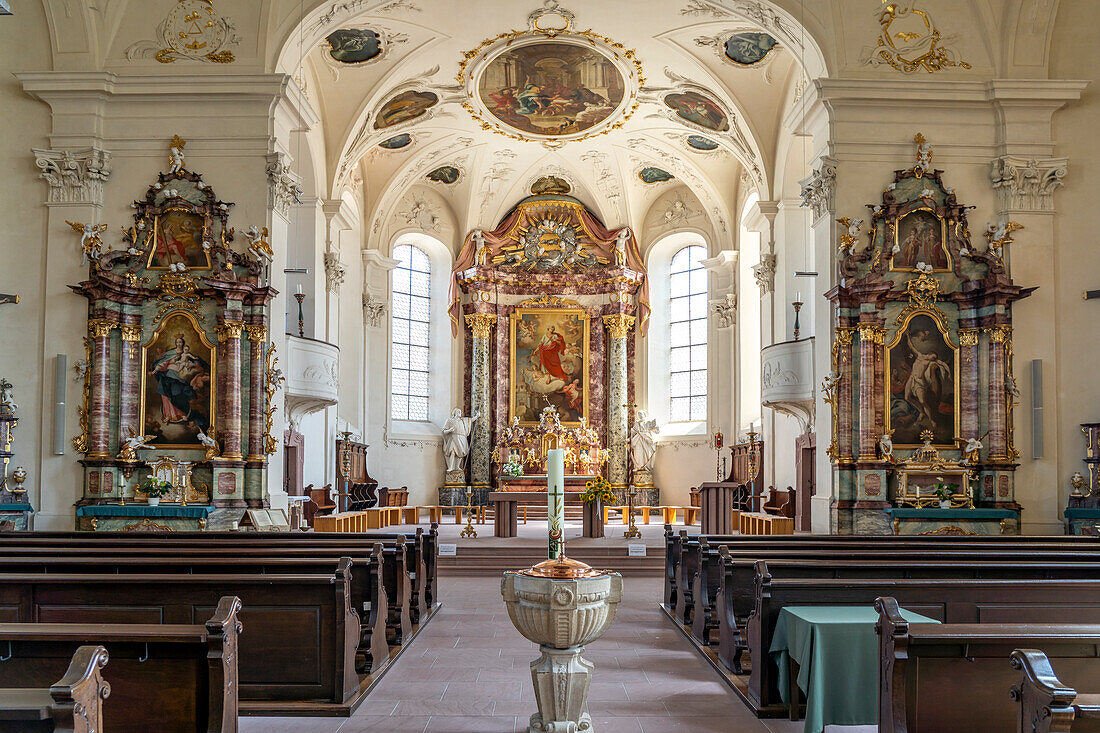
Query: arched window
(688, 335)
(410, 362)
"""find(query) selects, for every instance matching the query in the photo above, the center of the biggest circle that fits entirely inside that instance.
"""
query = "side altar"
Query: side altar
(921, 383)
(179, 372)
(553, 302)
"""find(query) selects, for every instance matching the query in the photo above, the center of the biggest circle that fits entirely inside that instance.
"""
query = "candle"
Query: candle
(555, 500)
(299, 289)
(798, 296)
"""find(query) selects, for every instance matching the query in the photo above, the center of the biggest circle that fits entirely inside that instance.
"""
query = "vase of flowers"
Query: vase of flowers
(155, 488)
(944, 492)
(597, 492)
(513, 467)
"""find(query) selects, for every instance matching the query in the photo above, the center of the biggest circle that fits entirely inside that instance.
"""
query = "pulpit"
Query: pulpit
(718, 501)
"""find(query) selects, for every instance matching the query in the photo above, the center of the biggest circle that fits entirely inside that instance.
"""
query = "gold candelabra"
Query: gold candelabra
(631, 531)
(468, 530)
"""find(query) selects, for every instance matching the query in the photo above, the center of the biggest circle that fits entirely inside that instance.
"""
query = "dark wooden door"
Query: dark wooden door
(805, 451)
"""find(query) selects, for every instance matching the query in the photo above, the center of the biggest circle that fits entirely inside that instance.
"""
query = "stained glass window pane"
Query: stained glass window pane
(409, 373)
(688, 312)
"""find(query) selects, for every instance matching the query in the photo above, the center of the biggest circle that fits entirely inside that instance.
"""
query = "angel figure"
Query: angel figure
(131, 445)
(7, 402)
(481, 250)
(620, 246)
(996, 232)
(886, 446)
(91, 246)
(175, 157)
(258, 245)
(211, 445)
(971, 452)
(924, 155)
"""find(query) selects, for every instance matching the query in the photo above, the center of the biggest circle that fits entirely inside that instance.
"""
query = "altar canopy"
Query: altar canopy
(553, 300)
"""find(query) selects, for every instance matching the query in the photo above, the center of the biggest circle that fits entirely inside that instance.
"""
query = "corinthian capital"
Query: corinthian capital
(1026, 184)
(284, 185)
(74, 176)
(819, 190)
(764, 272)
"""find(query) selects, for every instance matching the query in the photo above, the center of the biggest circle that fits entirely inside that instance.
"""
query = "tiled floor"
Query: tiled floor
(468, 671)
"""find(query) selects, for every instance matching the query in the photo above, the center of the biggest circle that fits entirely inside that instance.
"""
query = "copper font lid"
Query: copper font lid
(562, 568)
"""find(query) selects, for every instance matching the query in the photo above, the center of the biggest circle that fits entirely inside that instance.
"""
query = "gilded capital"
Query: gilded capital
(481, 324)
(999, 334)
(229, 330)
(256, 334)
(968, 337)
(100, 327)
(844, 335)
(130, 332)
(872, 332)
(618, 324)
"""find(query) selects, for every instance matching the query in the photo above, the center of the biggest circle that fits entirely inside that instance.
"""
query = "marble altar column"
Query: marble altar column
(229, 388)
(257, 341)
(99, 411)
(129, 385)
(842, 365)
(870, 337)
(481, 330)
(1000, 339)
(968, 383)
(618, 411)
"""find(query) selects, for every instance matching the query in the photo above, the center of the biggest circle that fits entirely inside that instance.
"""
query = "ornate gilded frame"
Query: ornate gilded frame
(948, 472)
(518, 315)
(213, 374)
(902, 324)
(896, 226)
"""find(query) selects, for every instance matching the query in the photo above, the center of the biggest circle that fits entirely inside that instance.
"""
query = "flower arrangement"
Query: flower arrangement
(942, 490)
(513, 467)
(598, 489)
(156, 487)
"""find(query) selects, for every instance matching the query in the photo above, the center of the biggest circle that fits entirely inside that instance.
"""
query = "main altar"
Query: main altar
(552, 302)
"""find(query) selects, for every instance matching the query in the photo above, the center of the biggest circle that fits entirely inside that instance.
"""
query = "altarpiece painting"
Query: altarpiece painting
(177, 391)
(549, 364)
(920, 236)
(922, 378)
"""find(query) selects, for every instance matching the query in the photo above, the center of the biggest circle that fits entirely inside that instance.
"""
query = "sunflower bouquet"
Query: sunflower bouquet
(598, 489)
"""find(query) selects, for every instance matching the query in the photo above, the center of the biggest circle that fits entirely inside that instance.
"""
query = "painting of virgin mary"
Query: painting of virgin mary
(176, 392)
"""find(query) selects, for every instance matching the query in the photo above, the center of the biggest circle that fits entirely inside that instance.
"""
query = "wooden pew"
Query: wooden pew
(422, 563)
(944, 677)
(298, 657)
(162, 677)
(1045, 703)
(951, 601)
(73, 704)
(367, 579)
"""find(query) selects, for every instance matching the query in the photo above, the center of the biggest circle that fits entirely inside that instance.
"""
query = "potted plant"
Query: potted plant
(944, 491)
(155, 488)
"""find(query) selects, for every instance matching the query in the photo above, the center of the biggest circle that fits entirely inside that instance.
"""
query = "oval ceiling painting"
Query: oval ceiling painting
(447, 174)
(696, 108)
(551, 89)
(749, 47)
(354, 45)
(396, 142)
(701, 143)
(404, 107)
(650, 174)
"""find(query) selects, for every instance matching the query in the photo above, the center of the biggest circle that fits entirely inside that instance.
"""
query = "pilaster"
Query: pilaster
(618, 411)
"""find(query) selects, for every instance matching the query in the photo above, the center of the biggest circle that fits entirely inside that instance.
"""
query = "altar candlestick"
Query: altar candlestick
(555, 500)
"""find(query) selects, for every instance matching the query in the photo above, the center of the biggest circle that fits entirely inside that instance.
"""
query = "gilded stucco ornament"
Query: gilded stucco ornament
(909, 41)
(191, 30)
(273, 379)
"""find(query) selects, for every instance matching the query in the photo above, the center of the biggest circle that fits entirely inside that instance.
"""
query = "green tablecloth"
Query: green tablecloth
(837, 652)
(192, 511)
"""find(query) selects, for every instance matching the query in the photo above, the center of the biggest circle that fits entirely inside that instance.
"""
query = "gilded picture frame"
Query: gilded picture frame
(914, 362)
(911, 240)
(549, 364)
(198, 377)
(909, 479)
(178, 234)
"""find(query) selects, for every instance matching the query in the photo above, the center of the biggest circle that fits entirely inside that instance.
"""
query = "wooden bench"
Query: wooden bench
(943, 677)
(298, 657)
(764, 524)
(162, 677)
(74, 703)
(1047, 705)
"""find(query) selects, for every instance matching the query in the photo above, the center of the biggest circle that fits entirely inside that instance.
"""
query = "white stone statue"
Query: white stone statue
(175, 159)
(886, 446)
(7, 401)
(620, 246)
(211, 445)
(643, 441)
(972, 452)
(131, 445)
(456, 444)
(481, 250)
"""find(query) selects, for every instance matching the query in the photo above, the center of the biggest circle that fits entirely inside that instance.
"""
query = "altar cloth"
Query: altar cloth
(192, 511)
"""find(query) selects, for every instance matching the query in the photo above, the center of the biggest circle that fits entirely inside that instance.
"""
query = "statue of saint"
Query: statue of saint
(643, 441)
(456, 445)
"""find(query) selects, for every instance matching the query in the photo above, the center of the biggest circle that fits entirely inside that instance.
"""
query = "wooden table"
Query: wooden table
(508, 501)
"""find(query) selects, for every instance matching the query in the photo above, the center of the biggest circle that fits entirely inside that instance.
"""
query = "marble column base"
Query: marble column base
(562, 678)
(452, 495)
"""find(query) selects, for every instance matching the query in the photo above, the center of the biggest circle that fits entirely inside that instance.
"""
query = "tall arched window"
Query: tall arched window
(688, 335)
(410, 352)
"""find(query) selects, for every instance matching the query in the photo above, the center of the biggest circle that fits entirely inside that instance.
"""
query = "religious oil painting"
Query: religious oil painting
(396, 142)
(701, 143)
(177, 388)
(749, 47)
(922, 368)
(404, 107)
(177, 239)
(696, 108)
(446, 174)
(551, 88)
(549, 365)
(650, 174)
(920, 236)
(354, 45)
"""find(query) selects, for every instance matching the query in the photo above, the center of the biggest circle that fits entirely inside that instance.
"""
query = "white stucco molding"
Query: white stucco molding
(819, 189)
(74, 176)
(723, 304)
(283, 184)
(787, 380)
(1027, 185)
